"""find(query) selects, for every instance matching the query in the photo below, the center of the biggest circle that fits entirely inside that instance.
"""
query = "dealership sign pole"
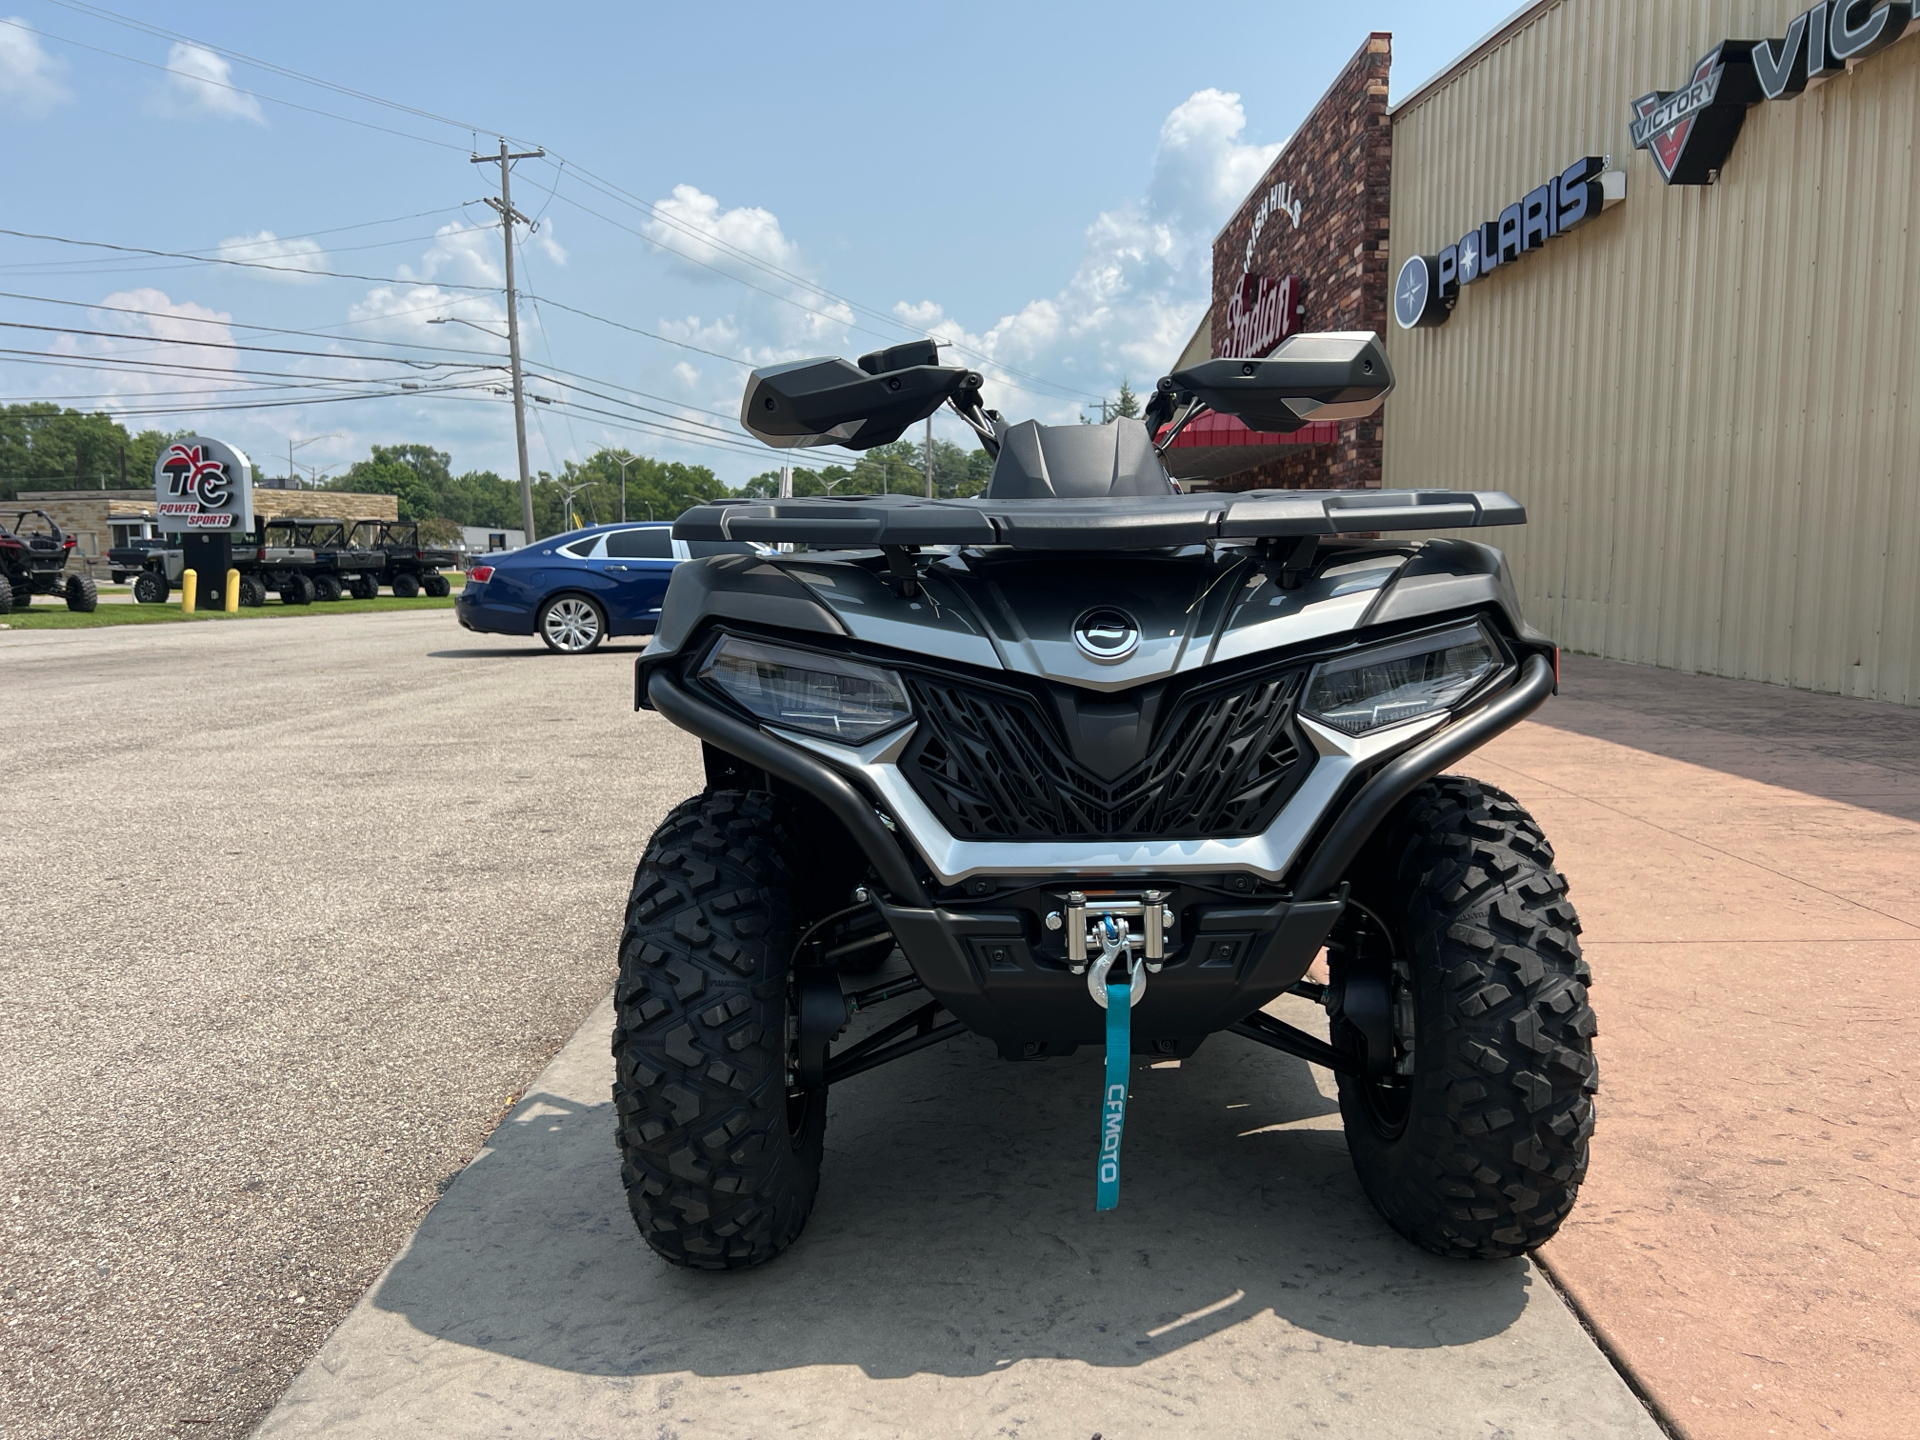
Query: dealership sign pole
(203, 497)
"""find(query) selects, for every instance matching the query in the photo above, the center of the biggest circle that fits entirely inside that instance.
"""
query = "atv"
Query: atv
(1109, 765)
(264, 568)
(339, 566)
(33, 561)
(407, 567)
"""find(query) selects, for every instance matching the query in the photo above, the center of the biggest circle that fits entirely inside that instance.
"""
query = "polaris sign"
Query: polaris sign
(203, 485)
(1689, 132)
(1429, 285)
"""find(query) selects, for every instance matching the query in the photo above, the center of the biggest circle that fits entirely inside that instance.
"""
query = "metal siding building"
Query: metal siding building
(1704, 397)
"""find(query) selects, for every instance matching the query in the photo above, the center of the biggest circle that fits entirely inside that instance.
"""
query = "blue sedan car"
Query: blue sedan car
(576, 589)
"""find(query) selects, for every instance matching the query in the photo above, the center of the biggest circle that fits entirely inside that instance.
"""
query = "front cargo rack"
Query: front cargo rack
(1132, 522)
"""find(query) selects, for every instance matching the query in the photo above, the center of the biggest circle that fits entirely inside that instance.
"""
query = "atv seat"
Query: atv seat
(1076, 462)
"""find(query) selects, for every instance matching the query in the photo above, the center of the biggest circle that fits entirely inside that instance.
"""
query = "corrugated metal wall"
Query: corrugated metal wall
(1704, 397)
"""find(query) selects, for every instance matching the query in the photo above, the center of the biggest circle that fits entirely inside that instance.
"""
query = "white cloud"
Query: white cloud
(1140, 286)
(296, 261)
(692, 226)
(462, 254)
(200, 82)
(166, 322)
(30, 85)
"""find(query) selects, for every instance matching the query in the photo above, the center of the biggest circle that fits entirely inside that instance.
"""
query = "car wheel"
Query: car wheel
(406, 586)
(252, 592)
(82, 594)
(327, 588)
(6, 595)
(296, 589)
(365, 587)
(150, 588)
(572, 624)
(436, 585)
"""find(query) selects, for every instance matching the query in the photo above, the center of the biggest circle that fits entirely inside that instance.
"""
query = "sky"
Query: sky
(724, 186)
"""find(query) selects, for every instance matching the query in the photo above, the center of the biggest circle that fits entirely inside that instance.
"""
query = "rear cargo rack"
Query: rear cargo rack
(1144, 522)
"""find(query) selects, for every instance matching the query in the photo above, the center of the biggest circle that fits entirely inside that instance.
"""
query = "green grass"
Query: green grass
(48, 613)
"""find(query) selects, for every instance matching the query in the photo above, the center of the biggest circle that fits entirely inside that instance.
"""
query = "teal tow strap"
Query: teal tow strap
(1113, 1110)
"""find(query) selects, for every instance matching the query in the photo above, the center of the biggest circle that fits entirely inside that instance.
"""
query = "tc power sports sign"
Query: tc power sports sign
(203, 485)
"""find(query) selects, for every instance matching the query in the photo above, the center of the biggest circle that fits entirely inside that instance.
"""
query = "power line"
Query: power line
(221, 85)
(246, 264)
(559, 370)
(605, 186)
(227, 345)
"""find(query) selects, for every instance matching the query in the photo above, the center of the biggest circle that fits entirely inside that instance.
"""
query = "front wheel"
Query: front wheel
(436, 584)
(83, 595)
(150, 588)
(406, 586)
(326, 588)
(571, 624)
(1474, 1141)
(365, 587)
(720, 1151)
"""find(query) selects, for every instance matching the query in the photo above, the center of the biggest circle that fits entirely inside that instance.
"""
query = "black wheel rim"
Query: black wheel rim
(1364, 939)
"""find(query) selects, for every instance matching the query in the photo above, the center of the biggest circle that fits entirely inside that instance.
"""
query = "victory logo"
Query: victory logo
(1690, 131)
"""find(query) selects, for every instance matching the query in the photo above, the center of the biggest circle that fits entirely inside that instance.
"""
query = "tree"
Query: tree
(421, 481)
(1128, 404)
(896, 469)
(43, 447)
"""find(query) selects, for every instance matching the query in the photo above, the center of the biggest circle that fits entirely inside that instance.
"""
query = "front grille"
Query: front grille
(992, 768)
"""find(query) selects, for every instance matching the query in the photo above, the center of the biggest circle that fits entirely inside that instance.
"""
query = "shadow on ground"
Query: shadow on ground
(954, 1233)
(1858, 752)
(533, 649)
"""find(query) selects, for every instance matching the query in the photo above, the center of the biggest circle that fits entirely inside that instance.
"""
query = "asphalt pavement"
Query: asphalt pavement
(290, 915)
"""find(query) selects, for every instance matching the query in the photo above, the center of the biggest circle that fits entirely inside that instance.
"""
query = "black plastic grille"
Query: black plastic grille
(992, 768)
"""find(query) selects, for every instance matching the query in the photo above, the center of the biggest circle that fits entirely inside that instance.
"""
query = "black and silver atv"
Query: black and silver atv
(1108, 764)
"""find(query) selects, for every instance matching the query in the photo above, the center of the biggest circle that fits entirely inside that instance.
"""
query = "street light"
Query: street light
(291, 447)
(623, 489)
(456, 320)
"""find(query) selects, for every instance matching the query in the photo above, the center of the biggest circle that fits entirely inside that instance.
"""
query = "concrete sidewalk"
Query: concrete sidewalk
(1746, 860)
(955, 1280)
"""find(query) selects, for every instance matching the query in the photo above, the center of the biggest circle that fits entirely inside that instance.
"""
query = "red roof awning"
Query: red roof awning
(1216, 445)
(1213, 429)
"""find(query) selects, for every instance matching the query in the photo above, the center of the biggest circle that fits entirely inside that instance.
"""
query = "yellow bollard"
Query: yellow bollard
(233, 592)
(189, 583)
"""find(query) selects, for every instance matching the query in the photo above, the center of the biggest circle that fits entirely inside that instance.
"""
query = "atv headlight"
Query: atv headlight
(1405, 680)
(822, 694)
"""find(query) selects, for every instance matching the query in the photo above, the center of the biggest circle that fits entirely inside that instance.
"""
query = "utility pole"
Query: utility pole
(503, 207)
(929, 457)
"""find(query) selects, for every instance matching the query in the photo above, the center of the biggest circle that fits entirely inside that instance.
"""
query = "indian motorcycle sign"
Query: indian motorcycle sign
(1689, 132)
(1261, 312)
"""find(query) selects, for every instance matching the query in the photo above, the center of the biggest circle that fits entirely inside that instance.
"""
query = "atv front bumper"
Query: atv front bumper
(996, 962)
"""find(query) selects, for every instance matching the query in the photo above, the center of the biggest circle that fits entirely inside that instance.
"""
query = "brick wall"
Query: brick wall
(1338, 165)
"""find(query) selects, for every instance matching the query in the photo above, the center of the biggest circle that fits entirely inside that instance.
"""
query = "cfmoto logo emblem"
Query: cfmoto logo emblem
(1106, 634)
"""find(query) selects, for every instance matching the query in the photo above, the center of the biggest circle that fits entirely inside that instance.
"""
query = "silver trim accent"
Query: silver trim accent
(1269, 855)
